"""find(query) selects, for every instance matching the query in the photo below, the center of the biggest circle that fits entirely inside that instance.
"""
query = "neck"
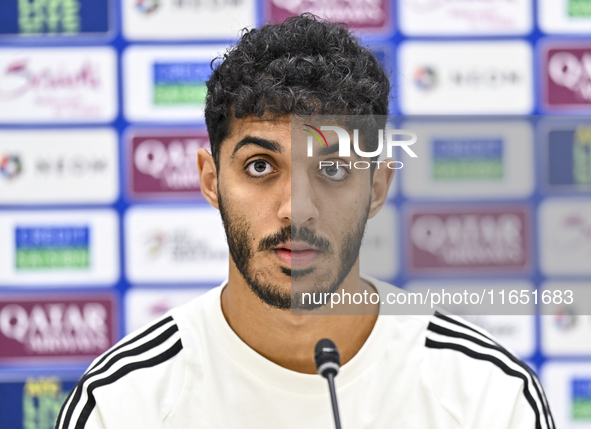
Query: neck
(288, 339)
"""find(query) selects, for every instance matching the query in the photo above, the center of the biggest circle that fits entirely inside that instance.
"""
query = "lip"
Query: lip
(296, 254)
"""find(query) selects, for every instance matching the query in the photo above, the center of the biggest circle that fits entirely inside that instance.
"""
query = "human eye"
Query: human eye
(335, 172)
(259, 168)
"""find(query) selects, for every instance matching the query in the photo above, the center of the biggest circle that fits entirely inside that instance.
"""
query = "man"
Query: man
(238, 357)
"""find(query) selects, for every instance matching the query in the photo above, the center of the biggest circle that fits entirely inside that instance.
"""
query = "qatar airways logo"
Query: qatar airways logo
(386, 138)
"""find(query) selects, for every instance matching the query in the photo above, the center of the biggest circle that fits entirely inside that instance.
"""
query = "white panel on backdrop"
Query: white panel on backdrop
(564, 16)
(568, 388)
(515, 332)
(379, 249)
(58, 85)
(143, 306)
(57, 248)
(186, 19)
(167, 83)
(58, 166)
(567, 331)
(467, 160)
(465, 17)
(564, 236)
(465, 77)
(175, 245)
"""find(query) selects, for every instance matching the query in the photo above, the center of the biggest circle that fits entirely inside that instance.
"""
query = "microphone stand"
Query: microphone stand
(333, 399)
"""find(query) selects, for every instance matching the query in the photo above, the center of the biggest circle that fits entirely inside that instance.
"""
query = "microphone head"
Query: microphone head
(327, 358)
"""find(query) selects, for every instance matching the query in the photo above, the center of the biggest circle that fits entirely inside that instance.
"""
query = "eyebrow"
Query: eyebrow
(270, 145)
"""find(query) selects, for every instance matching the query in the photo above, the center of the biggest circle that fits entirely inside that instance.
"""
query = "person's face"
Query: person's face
(291, 226)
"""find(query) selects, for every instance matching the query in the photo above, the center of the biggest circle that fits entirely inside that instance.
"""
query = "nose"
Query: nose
(299, 207)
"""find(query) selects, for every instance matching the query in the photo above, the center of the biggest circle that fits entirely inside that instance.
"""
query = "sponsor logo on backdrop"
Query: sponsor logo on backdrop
(147, 6)
(567, 387)
(358, 14)
(466, 78)
(181, 245)
(565, 237)
(36, 402)
(10, 166)
(143, 306)
(168, 245)
(565, 16)
(51, 166)
(164, 164)
(581, 399)
(186, 19)
(177, 83)
(448, 17)
(427, 78)
(47, 327)
(59, 247)
(568, 77)
(467, 159)
(65, 247)
(57, 85)
(579, 8)
(568, 160)
(54, 17)
(167, 83)
(461, 241)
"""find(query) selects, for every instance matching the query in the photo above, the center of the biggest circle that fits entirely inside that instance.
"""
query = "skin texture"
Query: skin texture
(291, 194)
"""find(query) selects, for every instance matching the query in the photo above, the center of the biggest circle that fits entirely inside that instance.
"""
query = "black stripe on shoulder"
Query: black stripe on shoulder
(455, 334)
(475, 355)
(138, 337)
(91, 402)
(115, 357)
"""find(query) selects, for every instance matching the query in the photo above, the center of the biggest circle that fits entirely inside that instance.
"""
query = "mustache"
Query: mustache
(294, 233)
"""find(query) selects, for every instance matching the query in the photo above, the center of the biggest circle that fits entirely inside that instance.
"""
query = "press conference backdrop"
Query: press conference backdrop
(103, 227)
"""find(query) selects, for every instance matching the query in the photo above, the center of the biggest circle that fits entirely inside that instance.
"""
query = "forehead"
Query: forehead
(278, 129)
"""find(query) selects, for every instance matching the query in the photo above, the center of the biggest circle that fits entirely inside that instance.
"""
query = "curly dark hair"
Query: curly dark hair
(303, 66)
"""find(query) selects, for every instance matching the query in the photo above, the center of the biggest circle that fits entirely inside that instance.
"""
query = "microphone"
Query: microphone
(328, 363)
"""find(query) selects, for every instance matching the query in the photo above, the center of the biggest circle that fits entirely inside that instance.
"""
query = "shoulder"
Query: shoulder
(141, 376)
(464, 365)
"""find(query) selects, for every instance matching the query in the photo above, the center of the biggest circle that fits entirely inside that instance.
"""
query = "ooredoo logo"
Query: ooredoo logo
(568, 77)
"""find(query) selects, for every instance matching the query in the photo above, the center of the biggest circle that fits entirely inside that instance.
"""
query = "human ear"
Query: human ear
(208, 177)
(382, 177)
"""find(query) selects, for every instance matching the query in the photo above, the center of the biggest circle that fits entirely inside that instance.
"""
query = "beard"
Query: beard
(241, 250)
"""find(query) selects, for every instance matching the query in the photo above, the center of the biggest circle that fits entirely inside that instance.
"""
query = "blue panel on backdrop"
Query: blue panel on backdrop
(53, 17)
